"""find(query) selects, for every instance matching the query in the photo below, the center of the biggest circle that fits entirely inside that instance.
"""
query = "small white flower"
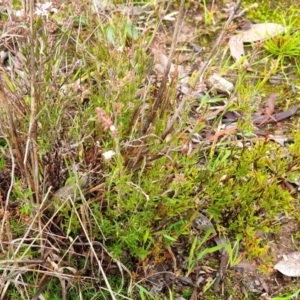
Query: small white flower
(108, 154)
(43, 9)
(40, 12)
(19, 13)
(112, 128)
(54, 10)
(46, 5)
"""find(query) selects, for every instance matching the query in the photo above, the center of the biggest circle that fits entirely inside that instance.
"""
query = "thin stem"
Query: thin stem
(159, 101)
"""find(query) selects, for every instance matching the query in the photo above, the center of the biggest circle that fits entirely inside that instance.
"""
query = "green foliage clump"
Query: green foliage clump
(246, 192)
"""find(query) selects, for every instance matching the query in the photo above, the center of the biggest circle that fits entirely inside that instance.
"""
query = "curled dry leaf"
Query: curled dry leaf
(289, 265)
(270, 104)
(269, 109)
(161, 62)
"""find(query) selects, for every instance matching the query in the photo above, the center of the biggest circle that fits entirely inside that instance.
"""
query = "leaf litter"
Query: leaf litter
(256, 32)
(267, 114)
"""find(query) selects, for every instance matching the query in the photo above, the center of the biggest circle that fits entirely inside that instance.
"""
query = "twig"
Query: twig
(174, 117)
(32, 143)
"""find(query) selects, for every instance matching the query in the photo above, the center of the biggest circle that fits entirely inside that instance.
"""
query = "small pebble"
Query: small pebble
(219, 84)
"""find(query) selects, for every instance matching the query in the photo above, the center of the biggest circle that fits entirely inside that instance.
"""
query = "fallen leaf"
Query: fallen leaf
(260, 32)
(289, 265)
(286, 114)
(280, 139)
(236, 46)
(257, 32)
(269, 109)
(275, 117)
(264, 285)
(270, 104)
(161, 62)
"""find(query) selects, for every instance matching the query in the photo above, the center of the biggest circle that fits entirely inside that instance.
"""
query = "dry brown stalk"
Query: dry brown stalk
(10, 105)
(160, 101)
(32, 141)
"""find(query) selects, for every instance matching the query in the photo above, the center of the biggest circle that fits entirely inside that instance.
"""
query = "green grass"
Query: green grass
(86, 89)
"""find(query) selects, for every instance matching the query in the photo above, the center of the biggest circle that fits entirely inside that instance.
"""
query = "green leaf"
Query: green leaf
(9, 83)
(144, 292)
(2, 163)
(110, 34)
(80, 21)
(131, 31)
(209, 250)
(166, 236)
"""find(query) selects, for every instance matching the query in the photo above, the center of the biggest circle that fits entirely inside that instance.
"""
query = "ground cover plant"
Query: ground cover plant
(142, 157)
